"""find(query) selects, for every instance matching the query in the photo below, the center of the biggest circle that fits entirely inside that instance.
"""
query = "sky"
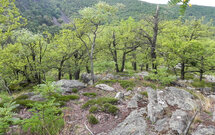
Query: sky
(193, 2)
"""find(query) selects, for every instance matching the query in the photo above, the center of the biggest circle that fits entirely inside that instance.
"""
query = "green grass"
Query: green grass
(109, 108)
(144, 93)
(100, 101)
(201, 84)
(87, 94)
(93, 109)
(92, 119)
(124, 83)
(75, 90)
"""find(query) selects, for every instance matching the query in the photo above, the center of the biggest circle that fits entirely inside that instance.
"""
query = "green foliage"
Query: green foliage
(124, 83)
(100, 101)
(201, 84)
(75, 90)
(90, 94)
(7, 117)
(144, 93)
(24, 103)
(92, 119)
(46, 119)
(162, 76)
(66, 98)
(93, 109)
(109, 108)
(22, 97)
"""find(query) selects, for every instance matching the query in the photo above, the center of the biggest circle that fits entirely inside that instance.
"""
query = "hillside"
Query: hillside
(46, 14)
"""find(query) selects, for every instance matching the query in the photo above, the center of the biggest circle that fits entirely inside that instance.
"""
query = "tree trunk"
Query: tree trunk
(182, 70)
(77, 74)
(154, 41)
(141, 67)
(59, 74)
(147, 67)
(123, 62)
(134, 64)
(202, 69)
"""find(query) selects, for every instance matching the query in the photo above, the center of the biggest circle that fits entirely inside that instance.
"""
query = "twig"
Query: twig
(189, 124)
(88, 128)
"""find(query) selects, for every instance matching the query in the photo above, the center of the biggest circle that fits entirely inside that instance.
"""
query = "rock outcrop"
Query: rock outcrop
(105, 87)
(134, 124)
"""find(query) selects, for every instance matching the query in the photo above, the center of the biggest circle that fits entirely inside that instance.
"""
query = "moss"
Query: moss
(22, 97)
(149, 84)
(90, 94)
(201, 84)
(109, 108)
(26, 103)
(124, 83)
(144, 93)
(93, 109)
(129, 88)
(100, 101)
(75, 90)
(66, 97)
(92, 119)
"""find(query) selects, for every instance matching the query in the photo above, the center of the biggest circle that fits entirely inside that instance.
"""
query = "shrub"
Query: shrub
(161, 76)
(90, 94)
(22, 97)
(25, 103)
(144, 93)
(93, 109)
(124, 83)
(75, 90)
(129, 88)
(47, 119)
(92, 119)
(201, 84)
(109, 108)
(7, 116)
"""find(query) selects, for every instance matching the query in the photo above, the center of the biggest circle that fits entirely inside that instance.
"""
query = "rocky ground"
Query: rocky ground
(175, 110)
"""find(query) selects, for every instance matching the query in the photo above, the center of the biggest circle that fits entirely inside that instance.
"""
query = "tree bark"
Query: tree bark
(123, 62)
(182, 70)
(77, 74)
(154, 40)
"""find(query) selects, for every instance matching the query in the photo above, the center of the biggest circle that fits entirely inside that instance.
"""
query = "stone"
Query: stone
(213, 114)
(119, 96)
(179, 121)
(29, 94)
(202, 130)
(155, 111)
(162, 125)
(142, 74)
(104, 87)
(86, 78)
(181, 98)
(134, 124)
(69, 84)
(210, 78)
(133, 103)
(37, 98)
(206, 90)
(152, 95)
(128, 93)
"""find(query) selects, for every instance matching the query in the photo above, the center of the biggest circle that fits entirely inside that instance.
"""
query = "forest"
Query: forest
(41, 59)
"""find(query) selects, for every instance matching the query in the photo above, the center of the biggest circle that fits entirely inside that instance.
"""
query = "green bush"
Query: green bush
(47, 119)
(124, 83)
(129, 88)
(92, 119)
(161, 76)
(22, 97)
(100, 101)
(144, 93)
(90, 94)
(7, 117)
(109, 108)
(201, 84)
(25, 103)
(75, 90)
(93, 109)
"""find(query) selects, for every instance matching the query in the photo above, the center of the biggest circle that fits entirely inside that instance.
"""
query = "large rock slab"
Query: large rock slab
(179, 121)
(70, 84)
(105, 87)
(134, 124)
(162, 125)
(180, 98)
(133, 103)
(202, 130)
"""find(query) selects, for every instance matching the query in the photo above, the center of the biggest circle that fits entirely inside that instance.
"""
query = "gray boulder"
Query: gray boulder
(142, 74)
(133, 103)
(37, 98)
(213, 115)
(134, 124)
(179, 121)
(162, 125)
(104, 87)
(69, 84)
(183, 99)
(85, 77)
(119, 96)
(202, 130)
